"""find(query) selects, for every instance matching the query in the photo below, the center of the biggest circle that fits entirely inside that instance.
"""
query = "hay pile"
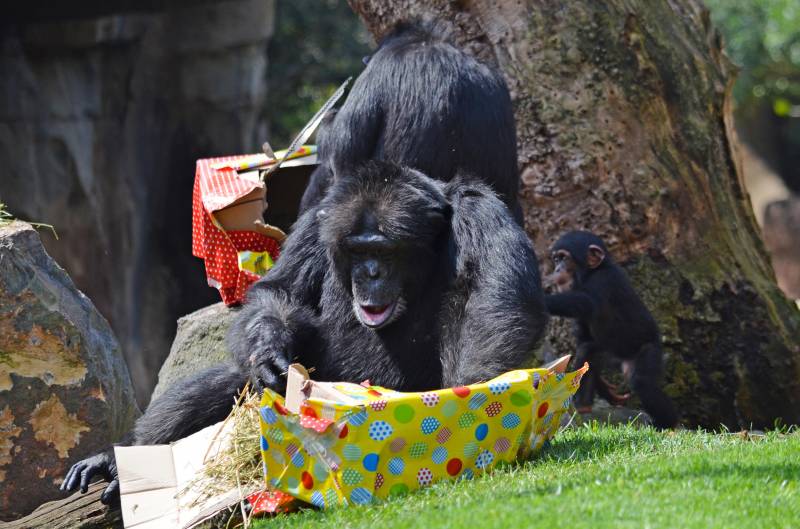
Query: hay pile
(238, 468)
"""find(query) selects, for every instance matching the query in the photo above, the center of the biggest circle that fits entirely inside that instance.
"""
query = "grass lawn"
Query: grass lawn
(601, 476)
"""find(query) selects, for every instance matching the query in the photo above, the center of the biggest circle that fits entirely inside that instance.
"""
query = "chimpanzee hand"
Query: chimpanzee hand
(82, 472)
(268, 370)
(270, 354)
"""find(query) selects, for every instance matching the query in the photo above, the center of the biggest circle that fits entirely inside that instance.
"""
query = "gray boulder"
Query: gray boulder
(104, 108)
(199, 343)
(65, 391)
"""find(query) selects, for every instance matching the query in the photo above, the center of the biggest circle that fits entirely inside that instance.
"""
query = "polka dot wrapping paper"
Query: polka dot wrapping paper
(233, 259)
(383, 443)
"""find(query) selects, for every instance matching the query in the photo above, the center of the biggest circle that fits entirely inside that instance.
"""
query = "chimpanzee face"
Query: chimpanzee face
(563, 276)
(376, 278)
(382, 225)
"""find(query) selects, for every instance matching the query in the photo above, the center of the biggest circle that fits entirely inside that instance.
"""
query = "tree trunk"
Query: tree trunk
(624, 128)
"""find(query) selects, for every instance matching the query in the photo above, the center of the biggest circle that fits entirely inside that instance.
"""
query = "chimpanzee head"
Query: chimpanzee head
(381, 225)
(575, 255)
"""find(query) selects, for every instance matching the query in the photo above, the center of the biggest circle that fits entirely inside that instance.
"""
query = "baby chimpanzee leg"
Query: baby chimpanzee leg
(645, 381)
(587, 352)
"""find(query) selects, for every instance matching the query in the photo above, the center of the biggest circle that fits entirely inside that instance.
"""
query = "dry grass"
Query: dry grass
(237, 468)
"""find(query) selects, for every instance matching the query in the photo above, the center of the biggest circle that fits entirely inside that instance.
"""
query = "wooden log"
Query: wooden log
(79, 511)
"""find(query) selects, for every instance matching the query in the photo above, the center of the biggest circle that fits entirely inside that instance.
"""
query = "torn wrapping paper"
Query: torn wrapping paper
(337, 443)
(228, 232)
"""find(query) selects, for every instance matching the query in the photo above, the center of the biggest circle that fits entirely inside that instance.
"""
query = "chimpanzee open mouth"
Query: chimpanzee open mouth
(375, 316)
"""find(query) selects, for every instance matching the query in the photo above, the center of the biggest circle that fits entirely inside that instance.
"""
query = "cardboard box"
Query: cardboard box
(228, 228)
(155, 481)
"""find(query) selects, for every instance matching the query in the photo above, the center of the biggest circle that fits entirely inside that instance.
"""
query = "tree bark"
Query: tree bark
(624, 128)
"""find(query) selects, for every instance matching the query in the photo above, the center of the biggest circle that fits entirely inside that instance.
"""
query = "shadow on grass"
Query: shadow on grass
(582, 444)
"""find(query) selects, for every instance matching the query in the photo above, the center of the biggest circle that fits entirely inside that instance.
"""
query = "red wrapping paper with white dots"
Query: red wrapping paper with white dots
(233, 259)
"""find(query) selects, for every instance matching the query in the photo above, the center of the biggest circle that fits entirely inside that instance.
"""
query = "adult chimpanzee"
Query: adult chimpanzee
(423, 103)
(394, 277)
(610, 318)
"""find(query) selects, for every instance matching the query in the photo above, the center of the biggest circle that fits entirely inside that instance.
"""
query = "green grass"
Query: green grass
(599, 476)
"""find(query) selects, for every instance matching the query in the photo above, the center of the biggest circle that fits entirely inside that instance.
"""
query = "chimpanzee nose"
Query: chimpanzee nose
(373, 270)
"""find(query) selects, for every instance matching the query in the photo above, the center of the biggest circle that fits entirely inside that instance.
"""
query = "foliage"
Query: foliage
(317, 44)
(607, 477)
(763, 37)
(6, 218)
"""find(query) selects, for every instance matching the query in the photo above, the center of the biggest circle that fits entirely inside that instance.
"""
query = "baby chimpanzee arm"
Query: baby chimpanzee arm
(575, 304)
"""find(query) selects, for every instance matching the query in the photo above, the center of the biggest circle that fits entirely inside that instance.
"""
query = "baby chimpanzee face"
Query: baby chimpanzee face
(563, 276)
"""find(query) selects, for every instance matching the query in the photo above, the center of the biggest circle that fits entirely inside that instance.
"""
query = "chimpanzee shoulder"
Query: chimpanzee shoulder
(424, 103)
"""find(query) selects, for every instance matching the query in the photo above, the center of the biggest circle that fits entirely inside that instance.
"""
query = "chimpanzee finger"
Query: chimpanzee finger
(265, 376)
(87, 474)
(281, 364)
(71, 479)
(110, 496)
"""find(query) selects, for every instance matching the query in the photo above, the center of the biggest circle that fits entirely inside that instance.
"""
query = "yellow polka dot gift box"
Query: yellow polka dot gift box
(335, 444)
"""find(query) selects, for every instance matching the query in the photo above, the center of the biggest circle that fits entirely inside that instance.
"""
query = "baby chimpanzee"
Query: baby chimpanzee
(610, 318)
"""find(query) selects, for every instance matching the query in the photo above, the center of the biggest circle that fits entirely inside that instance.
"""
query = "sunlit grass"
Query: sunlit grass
(615, 477)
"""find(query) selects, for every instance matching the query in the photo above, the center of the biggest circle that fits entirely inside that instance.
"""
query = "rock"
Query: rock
(782, 239)
(199, 343)
(108, 107)
(65, 391)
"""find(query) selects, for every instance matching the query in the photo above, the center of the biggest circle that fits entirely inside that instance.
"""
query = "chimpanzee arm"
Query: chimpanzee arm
(497, 314)
(572, 304)
(277, 323)
(188, 406)
(586, 351)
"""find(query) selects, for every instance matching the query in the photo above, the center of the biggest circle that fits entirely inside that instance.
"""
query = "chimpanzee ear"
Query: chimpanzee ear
(595, 256)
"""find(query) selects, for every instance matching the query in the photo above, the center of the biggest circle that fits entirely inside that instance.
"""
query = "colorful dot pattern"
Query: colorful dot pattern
(392, 443)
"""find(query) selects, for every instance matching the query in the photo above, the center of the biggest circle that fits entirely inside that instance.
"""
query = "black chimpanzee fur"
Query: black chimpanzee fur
(394, 277)
(422, 102)
(611, 318)
(469, 306)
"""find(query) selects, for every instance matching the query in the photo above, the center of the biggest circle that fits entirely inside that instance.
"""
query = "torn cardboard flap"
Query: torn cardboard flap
(558, 365)
(155, 481)
(300, 387)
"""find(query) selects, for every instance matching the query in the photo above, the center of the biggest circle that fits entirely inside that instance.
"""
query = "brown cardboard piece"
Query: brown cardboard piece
(155, 481)
(300, 387)
(246, 213)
